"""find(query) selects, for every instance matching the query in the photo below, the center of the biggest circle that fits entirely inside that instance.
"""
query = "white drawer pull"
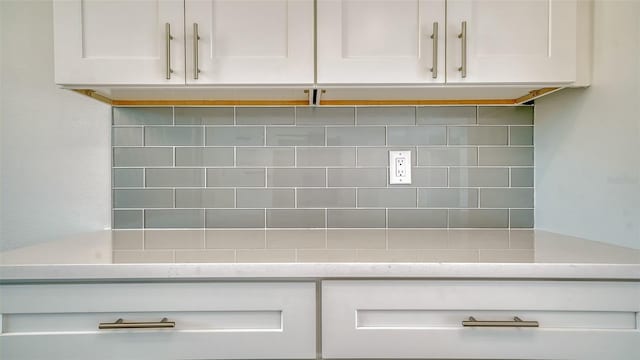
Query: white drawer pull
(516, 322)
(121, 324)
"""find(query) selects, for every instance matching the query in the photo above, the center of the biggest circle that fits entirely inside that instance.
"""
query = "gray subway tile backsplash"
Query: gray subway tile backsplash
(326, 198)
(265, 198)
(402, 115)
(177, 177)
(204, 156)
(428, 177)
(295, 136)
(235, 218)
(417, 135)
(265, 116)
(325, 116)
(387, 198)
(173, 136)
(355, 136)
(296, 177)
(142, 116)
(325, 156)
(479, 177)
(142, 156)
(296, 218)
(447, 156)
(319, 167)
(379, 156)
(128, 178)
(174, 218)
(127, 219)
(205, 198)
(505, 115)
(204, 116)
(521, 135)
(236, 177)
(478, 218)
(505, 156)
(478, 135)
(356, 218)
(357, 177)
(265, 156)
(506, 198)
(143, 198)
(127, 136)
(448, 198)
(522, 177)
(417, 218)
(446, 115)
(234, 136)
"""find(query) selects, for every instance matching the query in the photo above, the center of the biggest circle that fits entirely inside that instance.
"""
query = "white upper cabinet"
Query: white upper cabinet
(511, 41)
(389, 41)
(119, 42)
(381, 42)
(126, 42)
(249, 41)
(358, 42)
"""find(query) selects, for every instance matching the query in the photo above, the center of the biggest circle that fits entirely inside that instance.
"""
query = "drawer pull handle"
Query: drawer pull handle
(121, 324)
(516, 322)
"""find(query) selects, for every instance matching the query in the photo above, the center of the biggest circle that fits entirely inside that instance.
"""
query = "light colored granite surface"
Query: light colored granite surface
(405, 253)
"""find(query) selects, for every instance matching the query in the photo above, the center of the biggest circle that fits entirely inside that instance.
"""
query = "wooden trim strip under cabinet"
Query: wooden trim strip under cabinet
(534, 94)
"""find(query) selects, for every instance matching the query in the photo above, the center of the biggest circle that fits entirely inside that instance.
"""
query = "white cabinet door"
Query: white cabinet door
(512, 41)
(250, 41)
(105, 42)
(269, 320)
(417, 319)
(380, 41)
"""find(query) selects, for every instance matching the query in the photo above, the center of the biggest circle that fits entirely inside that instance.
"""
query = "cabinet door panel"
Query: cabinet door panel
(415, 319)
(118, 42)
(228, 320)
(250, 41)
(512, 41)
(379, 41)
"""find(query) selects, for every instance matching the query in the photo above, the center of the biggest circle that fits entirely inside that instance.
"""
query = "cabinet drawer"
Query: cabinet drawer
(423, 319)
(212, 321)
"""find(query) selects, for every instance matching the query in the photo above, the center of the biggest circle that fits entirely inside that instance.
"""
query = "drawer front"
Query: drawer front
(416, 319)
(212, 321)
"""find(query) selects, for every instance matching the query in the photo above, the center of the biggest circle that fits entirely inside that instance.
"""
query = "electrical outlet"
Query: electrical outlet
(400, 167)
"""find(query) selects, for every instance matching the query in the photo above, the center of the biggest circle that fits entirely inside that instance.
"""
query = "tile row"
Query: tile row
(319, 177)
(322, 218)
(324, 198)
(320, 156)
(400, 115)
(321, 136)
(322, 238)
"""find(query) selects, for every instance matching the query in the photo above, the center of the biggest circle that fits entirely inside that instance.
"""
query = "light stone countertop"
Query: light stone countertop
(89, 257)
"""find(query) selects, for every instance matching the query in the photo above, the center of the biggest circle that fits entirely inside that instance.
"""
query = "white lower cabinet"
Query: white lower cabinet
(267, 320)
(415, 319)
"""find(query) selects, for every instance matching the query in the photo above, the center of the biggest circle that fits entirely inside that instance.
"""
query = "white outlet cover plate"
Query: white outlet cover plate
(400, 167)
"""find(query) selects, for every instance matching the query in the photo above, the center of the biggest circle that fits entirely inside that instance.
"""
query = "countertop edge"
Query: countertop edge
(12, 274)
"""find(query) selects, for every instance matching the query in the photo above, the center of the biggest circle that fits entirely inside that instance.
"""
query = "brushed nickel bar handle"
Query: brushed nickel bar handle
(516, 322)
(434, 36)
(196, 37)
(121, 324)
(168, 38)
(463, 37)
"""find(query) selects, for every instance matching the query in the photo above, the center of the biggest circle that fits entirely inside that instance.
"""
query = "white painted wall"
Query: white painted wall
(588, 140)
(54, 144)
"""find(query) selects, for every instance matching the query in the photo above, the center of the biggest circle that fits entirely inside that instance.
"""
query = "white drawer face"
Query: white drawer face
(424, 319)
(212, 321)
